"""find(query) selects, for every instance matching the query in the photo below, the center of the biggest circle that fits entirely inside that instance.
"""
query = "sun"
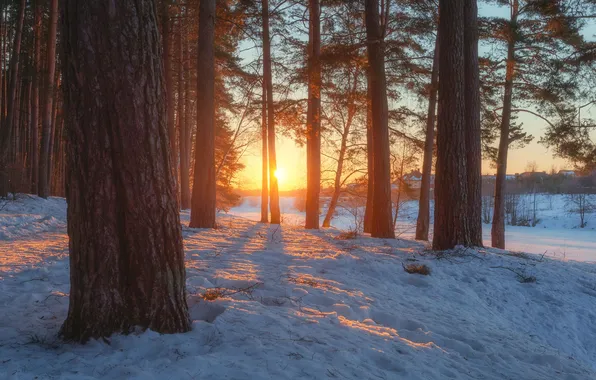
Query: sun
(281, 175)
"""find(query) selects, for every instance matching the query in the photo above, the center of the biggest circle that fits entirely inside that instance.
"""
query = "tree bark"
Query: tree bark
(35, 97)
(382, 224)
(451, 221)
(313, 128)
(472, 119)
(498, 226)
(7, 126)
(369, 161)
(423, 221)
(167, 61)
(183, 135)
(265, 165)
(126, 256)
(274, 191)
(203, 194)
(46, 122)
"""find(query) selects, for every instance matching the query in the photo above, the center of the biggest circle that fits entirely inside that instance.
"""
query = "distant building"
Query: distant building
(567, 173)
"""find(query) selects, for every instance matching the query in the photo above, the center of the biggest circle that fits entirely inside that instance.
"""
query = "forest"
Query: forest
(129, 133)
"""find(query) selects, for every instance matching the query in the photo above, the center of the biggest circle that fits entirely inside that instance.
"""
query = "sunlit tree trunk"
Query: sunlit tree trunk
(498, 226)
(166, 38)
(126, 256)
(451, 226)
(274, 191)
(46, 121)
(6, 129)
(203, 195)
(36, 77)
(264, 162)
(423, 221)
(313, 127)
(382, 224)
(186, 142)
(369, 161)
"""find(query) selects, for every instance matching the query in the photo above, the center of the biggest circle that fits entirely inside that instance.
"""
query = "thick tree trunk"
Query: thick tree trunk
(369, 161)
(46, 121)
(6, 129)
(203, 194)
(382, 225)
(423, 221)
(451, 220)
(168, 74)
(498, 225)
(183, 80)
(126, 256)
(265, 164)
(35, 97)
(274, 191)
(313, 127)
(472, 119)
(185, 145)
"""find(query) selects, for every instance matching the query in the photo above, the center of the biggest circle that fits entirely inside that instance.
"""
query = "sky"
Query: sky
(291, 159)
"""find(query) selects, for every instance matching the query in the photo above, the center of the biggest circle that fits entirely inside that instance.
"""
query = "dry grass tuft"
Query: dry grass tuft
(347, 235)
(417, 269)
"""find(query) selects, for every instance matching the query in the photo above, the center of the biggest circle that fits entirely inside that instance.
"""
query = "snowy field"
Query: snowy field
(296, 304)
(556, 235)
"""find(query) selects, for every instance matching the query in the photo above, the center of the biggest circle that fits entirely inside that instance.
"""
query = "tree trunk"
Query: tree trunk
(167, 62)
(382, 226)
(265, 165)
(451, 221)
(369, 161)
(46, 122)
(274, 191)
(35, 97)
(313, 128)
(187, 135)
(55, 102)
(423, 221)
(203, 194)
(126, 256)
(472, 119)
(11, 100)
(498, 226)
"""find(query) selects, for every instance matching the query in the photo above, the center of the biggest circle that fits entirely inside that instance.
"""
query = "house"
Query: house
(567, 173)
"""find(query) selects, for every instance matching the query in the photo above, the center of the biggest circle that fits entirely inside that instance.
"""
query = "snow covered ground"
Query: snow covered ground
(316, 307)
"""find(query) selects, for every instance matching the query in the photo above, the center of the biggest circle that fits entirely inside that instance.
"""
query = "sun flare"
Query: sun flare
(281, 175)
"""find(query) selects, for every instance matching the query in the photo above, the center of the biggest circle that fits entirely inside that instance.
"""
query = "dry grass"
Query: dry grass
(347, 235)
(417, 269)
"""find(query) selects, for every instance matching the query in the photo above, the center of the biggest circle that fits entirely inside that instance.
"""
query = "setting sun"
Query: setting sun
(281, 175)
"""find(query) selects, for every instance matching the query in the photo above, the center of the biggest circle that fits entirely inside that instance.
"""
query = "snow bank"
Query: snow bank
(316, 307)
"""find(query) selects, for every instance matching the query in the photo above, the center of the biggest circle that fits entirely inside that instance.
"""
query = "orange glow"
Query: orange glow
(281, 175)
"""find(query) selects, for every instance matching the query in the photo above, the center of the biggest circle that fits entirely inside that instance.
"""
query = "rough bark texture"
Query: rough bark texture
(382, 224)
(473, 132)
(423, 221)
(451, 221)
(265, 164)
(369, 161)
(498, 226)
(36, 77)
(186, 133)
(203, 193)
(167, 59)
(313, 123)
(6, 129)
(274, 191)
(46, 115)
(126, 256)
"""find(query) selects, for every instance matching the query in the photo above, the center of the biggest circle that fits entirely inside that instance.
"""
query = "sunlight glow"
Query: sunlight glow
(281, 175)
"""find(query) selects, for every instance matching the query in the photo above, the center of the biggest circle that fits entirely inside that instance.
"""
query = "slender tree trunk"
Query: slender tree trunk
(168, 74)
(35, 97)
(451, 220)
(313, 128)
(274, 191)
(203, 194)
(498, 226)
(184, 123)
(382, 225)
(126, 256)
(423, 221)
(369, 161)
(472, 119)
(55, 103)
(46, 121)
(11, 100)
(265, 165)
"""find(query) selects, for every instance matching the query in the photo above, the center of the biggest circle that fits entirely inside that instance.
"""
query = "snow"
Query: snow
(318, 307)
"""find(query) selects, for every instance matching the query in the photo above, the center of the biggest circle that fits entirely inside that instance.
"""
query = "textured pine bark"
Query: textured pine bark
(313, 127)
(35, 97)
(264, 163)
(203, 193)
(369, 161)
(423, 221)
(126, 256)
(382, 224)
(186, 132)
(451, 222)
(273, 187)
(43, 185)
(473, 131)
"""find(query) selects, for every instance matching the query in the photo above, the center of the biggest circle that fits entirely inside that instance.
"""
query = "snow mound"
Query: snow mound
(271, 302)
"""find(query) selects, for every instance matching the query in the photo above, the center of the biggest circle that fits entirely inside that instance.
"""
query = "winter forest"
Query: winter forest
(293, 189)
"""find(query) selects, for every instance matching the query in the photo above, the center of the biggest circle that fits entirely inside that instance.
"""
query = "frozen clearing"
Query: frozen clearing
(319, 308)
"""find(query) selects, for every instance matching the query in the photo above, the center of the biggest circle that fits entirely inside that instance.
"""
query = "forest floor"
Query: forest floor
(285, 303)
